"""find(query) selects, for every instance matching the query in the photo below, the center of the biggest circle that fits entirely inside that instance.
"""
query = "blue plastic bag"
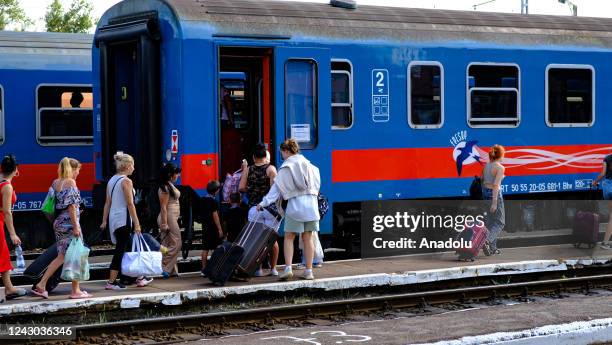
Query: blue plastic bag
(76, 263)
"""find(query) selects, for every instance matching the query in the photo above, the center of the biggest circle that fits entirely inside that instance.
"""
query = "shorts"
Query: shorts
(292, 225)
(262, 217)
(606, 187)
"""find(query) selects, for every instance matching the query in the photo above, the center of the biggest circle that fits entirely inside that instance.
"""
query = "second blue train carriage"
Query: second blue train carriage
(390, 103)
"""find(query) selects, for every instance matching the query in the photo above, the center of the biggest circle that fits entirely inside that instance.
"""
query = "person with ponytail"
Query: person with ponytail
(167, 220)
(9, 170)
(66, 225)
(492, 176)
(120, 211)
(298, 182)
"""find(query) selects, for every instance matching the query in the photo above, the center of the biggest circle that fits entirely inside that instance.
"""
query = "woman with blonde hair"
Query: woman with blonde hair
(298, 182)
(492, 176)
(66, 224)
(120, 211)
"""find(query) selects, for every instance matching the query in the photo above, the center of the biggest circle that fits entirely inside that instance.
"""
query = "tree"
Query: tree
(76, 19)
(12, 13)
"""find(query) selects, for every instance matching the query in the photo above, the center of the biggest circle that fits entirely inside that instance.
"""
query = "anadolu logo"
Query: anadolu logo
(466, 152)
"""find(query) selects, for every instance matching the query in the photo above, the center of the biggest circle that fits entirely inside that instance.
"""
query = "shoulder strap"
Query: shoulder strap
(115, 185)
(4, 183)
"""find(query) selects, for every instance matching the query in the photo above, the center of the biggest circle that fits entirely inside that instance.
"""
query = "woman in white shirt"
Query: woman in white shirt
(298, 182)
(120, 211)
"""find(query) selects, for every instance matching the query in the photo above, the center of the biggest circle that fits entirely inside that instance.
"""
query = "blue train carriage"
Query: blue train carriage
(390, 103)
(45, 114)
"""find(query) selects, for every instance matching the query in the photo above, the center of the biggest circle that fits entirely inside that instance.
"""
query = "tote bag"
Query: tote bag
(141, 261)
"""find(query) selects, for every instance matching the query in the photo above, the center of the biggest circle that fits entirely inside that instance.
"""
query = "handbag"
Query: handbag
(76, 263)
(323, 204)
(141, 261)
(48, 206)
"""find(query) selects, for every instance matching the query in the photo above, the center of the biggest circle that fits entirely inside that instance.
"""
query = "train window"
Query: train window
(570, 96)
(301, 102)
(64, 114)
(426, 88)
(493, 95)
(342, 94)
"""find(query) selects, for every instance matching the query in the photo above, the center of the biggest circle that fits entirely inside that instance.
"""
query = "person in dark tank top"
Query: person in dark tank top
(606, 185)
(256, 181)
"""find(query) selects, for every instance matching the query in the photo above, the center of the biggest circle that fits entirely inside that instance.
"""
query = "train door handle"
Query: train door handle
(124, 93)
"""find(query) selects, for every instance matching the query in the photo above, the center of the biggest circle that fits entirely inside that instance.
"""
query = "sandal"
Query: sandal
(44, 294)
(19, 293)
(84, 294)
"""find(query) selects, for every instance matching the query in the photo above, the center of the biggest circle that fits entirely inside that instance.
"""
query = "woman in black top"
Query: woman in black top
(256, 181)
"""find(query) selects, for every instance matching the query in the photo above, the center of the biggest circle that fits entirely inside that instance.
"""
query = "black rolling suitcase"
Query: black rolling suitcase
(257, 239)
(37, 269)
(223, 262)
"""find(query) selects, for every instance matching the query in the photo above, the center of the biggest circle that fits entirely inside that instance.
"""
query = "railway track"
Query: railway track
(209, 323)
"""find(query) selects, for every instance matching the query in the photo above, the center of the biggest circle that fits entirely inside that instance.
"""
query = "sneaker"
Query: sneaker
(202, 274)
(605, 245)
(300, 266)
(308, 275)
(496, 252)
(259, 273)
(144, 281)
(486, 249)
(273, 272)
(165, 275)
(114, 286)
(286, 275)
(317, 265)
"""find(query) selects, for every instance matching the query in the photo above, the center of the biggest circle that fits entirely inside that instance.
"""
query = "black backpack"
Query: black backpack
(476, 189)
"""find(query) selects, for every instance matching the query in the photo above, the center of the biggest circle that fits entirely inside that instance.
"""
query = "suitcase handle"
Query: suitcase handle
(251, 226)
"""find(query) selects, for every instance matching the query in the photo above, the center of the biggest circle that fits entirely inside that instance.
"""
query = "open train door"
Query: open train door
(302, 106)
(130, 89)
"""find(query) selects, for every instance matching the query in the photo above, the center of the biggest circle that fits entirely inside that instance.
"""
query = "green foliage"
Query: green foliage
(76, 19)
(12, 13)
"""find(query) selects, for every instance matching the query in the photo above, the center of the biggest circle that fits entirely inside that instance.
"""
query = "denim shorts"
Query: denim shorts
(292, 225)
(606, 187)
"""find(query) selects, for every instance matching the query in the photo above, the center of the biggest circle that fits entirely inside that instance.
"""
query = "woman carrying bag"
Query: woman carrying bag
(298, 182)
(120, 211)
(66, 226)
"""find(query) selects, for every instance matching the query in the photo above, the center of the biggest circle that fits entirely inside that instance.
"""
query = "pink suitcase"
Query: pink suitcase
(478, 236)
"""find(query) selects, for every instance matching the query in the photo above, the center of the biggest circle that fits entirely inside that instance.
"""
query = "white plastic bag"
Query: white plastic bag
(141, 261)
(76, 263)
(318, 249)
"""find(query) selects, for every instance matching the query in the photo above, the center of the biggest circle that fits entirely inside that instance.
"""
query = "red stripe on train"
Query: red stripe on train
(36, 178)
(424, 163)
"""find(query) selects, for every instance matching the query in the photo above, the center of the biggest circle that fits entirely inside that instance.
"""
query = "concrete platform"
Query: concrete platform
(394, 271)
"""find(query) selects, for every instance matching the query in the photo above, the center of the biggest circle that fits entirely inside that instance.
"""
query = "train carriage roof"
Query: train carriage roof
(281, 18)
(45, 50)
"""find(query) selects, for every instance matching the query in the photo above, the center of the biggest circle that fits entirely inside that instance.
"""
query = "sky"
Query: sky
(36, 9)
